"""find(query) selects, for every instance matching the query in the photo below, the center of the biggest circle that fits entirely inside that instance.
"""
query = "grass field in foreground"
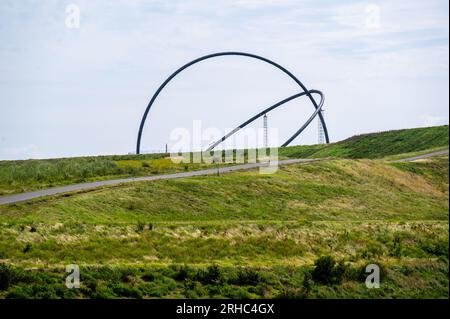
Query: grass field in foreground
(239, 235)
(22, 176)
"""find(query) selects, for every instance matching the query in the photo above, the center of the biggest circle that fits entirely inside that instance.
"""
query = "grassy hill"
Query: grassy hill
(239, 235)
(307, 231)
(376, 145)
(22, 176)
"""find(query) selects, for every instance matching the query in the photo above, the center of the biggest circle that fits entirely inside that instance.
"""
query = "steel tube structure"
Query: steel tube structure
(249, 55)
(295, 96)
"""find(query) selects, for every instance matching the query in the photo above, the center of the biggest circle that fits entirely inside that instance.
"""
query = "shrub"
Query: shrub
(212, 275)
(160, 287)
(326, 271)
(193, 289)
(247, 276)
(140, 227)
(21, 292)
(148, 276)
(103, 293)
(126, 275)
(437, 248)
(238, 293)
(323, 270)
(181, 273)
(6, 276)
(126, 291)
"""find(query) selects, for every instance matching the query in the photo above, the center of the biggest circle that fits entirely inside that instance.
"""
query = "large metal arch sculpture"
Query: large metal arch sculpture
(306, 92)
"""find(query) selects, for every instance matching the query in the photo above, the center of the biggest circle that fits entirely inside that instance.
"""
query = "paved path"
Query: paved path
(85, 186)
(410, 159)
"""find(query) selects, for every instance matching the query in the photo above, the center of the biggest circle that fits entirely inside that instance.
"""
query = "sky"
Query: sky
(76, 76)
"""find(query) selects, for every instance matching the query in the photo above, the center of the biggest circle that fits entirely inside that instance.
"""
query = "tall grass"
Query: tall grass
(17, 175)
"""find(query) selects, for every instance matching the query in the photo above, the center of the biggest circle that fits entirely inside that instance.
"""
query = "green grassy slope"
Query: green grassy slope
(22, 176)
(377, 145)
(239, 235)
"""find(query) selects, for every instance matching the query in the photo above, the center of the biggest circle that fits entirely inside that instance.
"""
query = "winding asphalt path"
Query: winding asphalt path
(86, 186)
(414, 158)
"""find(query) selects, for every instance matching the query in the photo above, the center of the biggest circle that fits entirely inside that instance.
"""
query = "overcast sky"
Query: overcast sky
(69, 89)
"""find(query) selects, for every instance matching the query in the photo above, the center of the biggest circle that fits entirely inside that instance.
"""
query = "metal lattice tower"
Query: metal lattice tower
(266, 133)
(321, 135)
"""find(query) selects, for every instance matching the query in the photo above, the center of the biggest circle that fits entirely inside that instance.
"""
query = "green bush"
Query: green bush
(21, 292)
(326, 271)
(148, 276)
(323, 270)
(140, 227)
(6, 276)
(126, 291)
(212, 275)
(436, 248)
(247, 276)
(181, 273)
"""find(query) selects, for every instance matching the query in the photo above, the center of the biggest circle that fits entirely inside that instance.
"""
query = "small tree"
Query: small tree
(327, 271)
(323, 270)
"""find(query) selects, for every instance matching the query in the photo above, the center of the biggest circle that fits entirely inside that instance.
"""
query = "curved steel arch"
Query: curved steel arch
(254, 56)
(267, 110)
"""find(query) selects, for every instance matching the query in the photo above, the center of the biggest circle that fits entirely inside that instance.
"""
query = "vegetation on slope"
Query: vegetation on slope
(22, 176)
(376, 145)
(239, 235)
(417, 279)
